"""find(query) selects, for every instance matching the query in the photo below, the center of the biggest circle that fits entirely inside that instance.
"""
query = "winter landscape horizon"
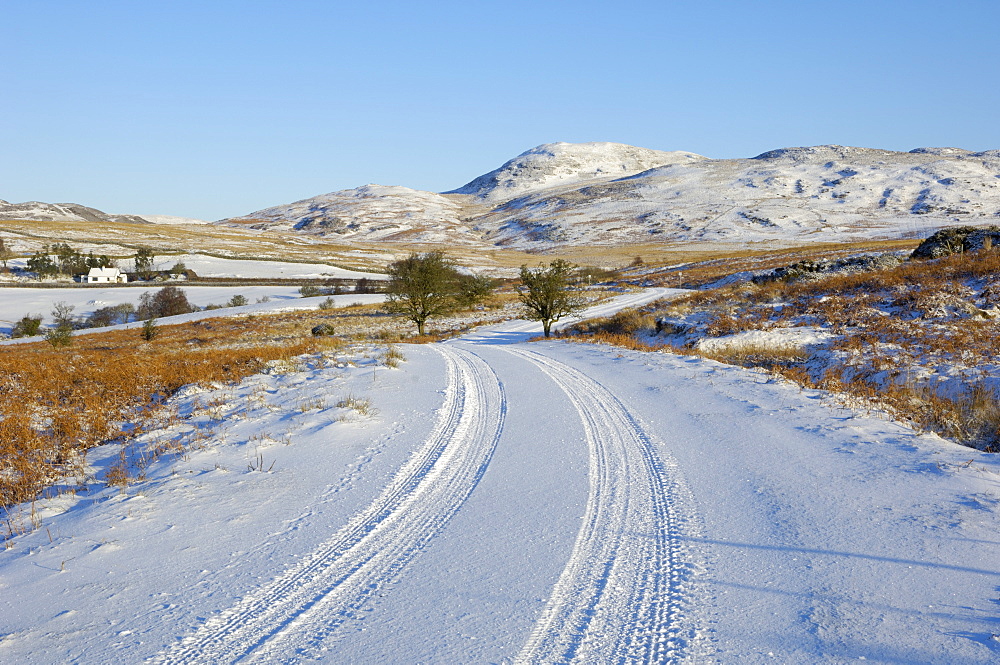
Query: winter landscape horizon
(511, 333)
(769, 435)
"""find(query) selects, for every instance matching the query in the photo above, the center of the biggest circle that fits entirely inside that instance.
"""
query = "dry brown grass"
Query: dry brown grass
(55, 404)
(120, 240)
(921, 315)
(613, 339)
(625, 322)
(768, 356)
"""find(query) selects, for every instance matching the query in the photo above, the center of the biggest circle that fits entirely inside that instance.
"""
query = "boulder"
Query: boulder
(323, 330)
(957, 239)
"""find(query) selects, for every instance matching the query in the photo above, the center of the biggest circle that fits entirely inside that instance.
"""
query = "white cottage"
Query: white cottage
(106, 275)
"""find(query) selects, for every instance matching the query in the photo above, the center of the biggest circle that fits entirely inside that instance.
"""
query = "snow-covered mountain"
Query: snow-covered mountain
(372, 212)
(59, 212)
(560, 164)
(824, 193)
(610, 193)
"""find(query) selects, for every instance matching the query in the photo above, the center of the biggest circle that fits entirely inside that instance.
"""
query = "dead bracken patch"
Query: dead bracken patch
(918, 339)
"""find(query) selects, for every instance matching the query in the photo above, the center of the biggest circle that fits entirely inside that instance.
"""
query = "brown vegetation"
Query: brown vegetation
(894, 332)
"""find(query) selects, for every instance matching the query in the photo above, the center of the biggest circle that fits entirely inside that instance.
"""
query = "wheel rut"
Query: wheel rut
(618, 598)
(297, 615)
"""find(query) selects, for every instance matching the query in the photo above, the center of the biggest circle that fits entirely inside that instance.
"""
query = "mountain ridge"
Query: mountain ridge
(608, 193)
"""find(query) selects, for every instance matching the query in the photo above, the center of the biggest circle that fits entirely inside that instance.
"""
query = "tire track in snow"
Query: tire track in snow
(290, 617)
(618, 598)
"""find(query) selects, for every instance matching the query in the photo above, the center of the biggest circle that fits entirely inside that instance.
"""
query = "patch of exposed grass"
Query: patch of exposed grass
(360, 405)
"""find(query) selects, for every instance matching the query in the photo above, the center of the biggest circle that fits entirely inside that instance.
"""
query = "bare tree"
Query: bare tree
(546, 294)
(168, 301)
(423, 286)
(62, 314)
(6, 254)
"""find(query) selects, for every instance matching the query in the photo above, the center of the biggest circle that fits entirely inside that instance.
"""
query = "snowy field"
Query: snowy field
(282, 302)
(499, 501)
(16, 302)
(211, 266)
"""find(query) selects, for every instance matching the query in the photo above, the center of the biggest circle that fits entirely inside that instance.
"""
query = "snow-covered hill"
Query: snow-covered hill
(825, 193)
(371, 212)
(173, 219)
(560, 164)
(610, 193)
(59, 212)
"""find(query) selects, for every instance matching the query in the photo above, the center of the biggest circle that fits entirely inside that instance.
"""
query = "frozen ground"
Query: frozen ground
(517, 502)
(211, 266)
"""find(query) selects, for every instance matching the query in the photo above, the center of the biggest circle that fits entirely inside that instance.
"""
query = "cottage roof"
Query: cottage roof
(103, 272)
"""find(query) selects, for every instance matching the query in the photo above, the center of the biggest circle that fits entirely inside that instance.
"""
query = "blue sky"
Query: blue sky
(217, 108)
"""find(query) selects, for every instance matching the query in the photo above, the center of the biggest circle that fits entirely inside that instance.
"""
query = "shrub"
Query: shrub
(149, 330)
(625, 322)
(62, 314)
(168, 301)
(237, 301)
(59, 336)
(28, 326)
(474, 290)
(392, 356)
(361, 405)
(109, 316)
(310, 291)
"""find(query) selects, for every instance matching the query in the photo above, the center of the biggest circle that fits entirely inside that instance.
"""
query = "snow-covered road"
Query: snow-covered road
(526, 503)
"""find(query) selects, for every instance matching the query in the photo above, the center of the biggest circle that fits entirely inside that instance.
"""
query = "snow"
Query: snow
(16, 302)
(173, 219)
(212, 266)
(796, 337)
(818, 194)
(555, 164)
(517, 502)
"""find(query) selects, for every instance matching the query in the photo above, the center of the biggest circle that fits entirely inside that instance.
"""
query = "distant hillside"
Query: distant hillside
(59, 212)
(374, 212)
(610, 193)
